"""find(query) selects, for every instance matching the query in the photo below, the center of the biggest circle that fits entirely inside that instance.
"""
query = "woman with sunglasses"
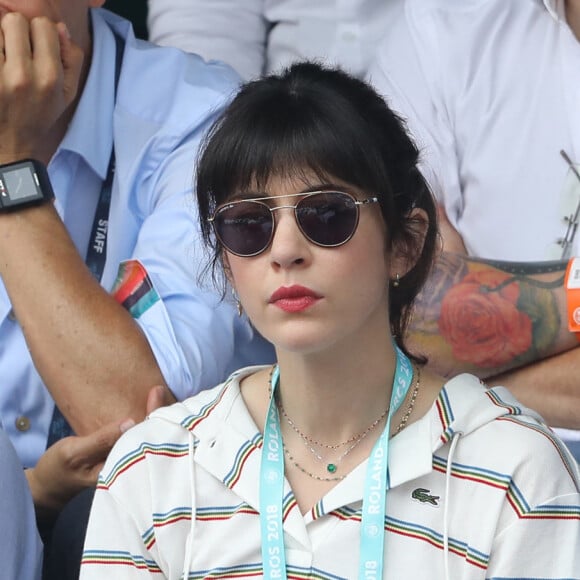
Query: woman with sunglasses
(346, 459)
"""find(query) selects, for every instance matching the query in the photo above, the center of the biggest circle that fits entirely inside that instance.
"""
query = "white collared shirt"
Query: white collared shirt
(491, 92)
(203, 456)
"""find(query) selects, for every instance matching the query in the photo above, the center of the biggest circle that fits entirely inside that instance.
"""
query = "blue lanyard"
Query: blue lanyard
(372, 540)
(97, 249)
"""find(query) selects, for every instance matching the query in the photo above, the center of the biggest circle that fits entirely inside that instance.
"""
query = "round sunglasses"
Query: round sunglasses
(326, 218)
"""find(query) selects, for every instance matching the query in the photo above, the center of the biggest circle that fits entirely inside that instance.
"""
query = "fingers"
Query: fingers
(159, 396)
(40, 71)
(16, 37)
(56, 59)
(72, 59)
(89, 450)
(154, 399)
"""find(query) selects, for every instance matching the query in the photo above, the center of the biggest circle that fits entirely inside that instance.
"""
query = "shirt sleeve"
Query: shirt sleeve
(233, 31)
(120, 538)
(543, 543)
(133, 505)
(197, 338)
(538, 531)
(20, 546)
(113, 545)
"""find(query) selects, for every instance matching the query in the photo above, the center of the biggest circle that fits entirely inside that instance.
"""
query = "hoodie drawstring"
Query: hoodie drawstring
(454, 442)
(189, 541)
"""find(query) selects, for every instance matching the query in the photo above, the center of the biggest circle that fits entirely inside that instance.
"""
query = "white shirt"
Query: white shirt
(490, 90)
(501, 516)
(256, 36)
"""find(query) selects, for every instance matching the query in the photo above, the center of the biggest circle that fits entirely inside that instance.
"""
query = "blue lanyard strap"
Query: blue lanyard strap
(372, 539)
(97, 249)
(272, 491)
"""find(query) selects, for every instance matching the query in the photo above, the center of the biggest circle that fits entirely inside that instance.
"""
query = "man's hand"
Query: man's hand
(73, 463)
(40, 70)
(69, 466)
(159, 396)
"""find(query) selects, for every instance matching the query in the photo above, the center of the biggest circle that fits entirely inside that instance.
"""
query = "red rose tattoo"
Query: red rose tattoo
(481, 321)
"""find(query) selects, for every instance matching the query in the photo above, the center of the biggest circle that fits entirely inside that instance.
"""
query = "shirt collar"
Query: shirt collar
(90, 133)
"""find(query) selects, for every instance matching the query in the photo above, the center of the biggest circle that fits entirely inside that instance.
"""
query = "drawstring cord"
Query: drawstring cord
(454, 442)
(189, 542)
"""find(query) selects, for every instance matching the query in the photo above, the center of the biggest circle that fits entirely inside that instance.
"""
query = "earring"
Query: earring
(397, 281)
(239, 306)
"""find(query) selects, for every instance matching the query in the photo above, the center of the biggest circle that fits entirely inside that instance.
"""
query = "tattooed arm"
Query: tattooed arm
(489, 317)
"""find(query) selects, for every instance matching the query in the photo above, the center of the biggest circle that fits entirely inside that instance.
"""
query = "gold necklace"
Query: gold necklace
(308, 439)
(411, 406)
(332, 467)
(308, 473)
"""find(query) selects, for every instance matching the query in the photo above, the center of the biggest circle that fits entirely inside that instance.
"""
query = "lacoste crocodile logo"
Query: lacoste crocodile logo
(422, 495)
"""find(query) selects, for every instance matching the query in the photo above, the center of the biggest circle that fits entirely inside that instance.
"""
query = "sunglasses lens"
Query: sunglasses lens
(244, 228)
(328, 218)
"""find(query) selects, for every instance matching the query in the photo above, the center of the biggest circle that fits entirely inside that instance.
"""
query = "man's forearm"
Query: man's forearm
(551, 387)
(488, 317)
(91, 354)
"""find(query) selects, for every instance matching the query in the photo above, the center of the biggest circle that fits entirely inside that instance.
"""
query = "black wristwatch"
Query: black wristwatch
(24, 183)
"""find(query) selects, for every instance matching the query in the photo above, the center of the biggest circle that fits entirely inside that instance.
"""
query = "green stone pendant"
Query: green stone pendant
(331, 468)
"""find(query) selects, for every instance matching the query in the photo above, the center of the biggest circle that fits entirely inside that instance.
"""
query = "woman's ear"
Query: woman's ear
(407, 250)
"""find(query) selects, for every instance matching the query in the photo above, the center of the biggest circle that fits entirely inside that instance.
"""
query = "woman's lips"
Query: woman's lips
(294, 298)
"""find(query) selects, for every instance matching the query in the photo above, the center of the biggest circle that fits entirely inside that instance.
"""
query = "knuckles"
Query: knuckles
(11, 19)
(20, 83)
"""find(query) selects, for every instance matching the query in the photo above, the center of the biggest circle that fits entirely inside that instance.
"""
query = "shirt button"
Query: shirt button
(11, 315)
(23, 423)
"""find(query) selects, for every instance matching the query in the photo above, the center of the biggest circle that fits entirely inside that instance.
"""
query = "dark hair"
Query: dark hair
(313, 118)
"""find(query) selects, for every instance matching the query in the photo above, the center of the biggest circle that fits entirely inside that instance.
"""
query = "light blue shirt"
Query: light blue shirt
(20, 545)
(165, 101)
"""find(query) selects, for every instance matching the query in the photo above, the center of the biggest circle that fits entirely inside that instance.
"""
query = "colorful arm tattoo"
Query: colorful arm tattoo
(488, 316)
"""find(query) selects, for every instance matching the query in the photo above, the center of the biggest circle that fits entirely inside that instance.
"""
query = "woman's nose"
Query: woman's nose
(289, 246)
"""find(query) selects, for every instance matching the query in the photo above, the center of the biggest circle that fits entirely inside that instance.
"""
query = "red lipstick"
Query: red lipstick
(294, 298)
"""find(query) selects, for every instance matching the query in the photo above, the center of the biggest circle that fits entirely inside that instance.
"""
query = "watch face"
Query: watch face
(19, 185)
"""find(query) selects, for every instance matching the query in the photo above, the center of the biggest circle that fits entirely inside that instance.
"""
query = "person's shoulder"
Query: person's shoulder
(163, 436)
(163, 94)
(165, 69)
(164, 90)
(505, 436)
(169, 85)
(169, 66)
(208, 407)
(168, 432)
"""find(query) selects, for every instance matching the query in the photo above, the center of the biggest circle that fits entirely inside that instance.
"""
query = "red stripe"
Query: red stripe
(133, 275)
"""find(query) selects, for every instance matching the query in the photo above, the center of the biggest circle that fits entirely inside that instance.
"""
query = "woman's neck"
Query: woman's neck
(331, 399)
